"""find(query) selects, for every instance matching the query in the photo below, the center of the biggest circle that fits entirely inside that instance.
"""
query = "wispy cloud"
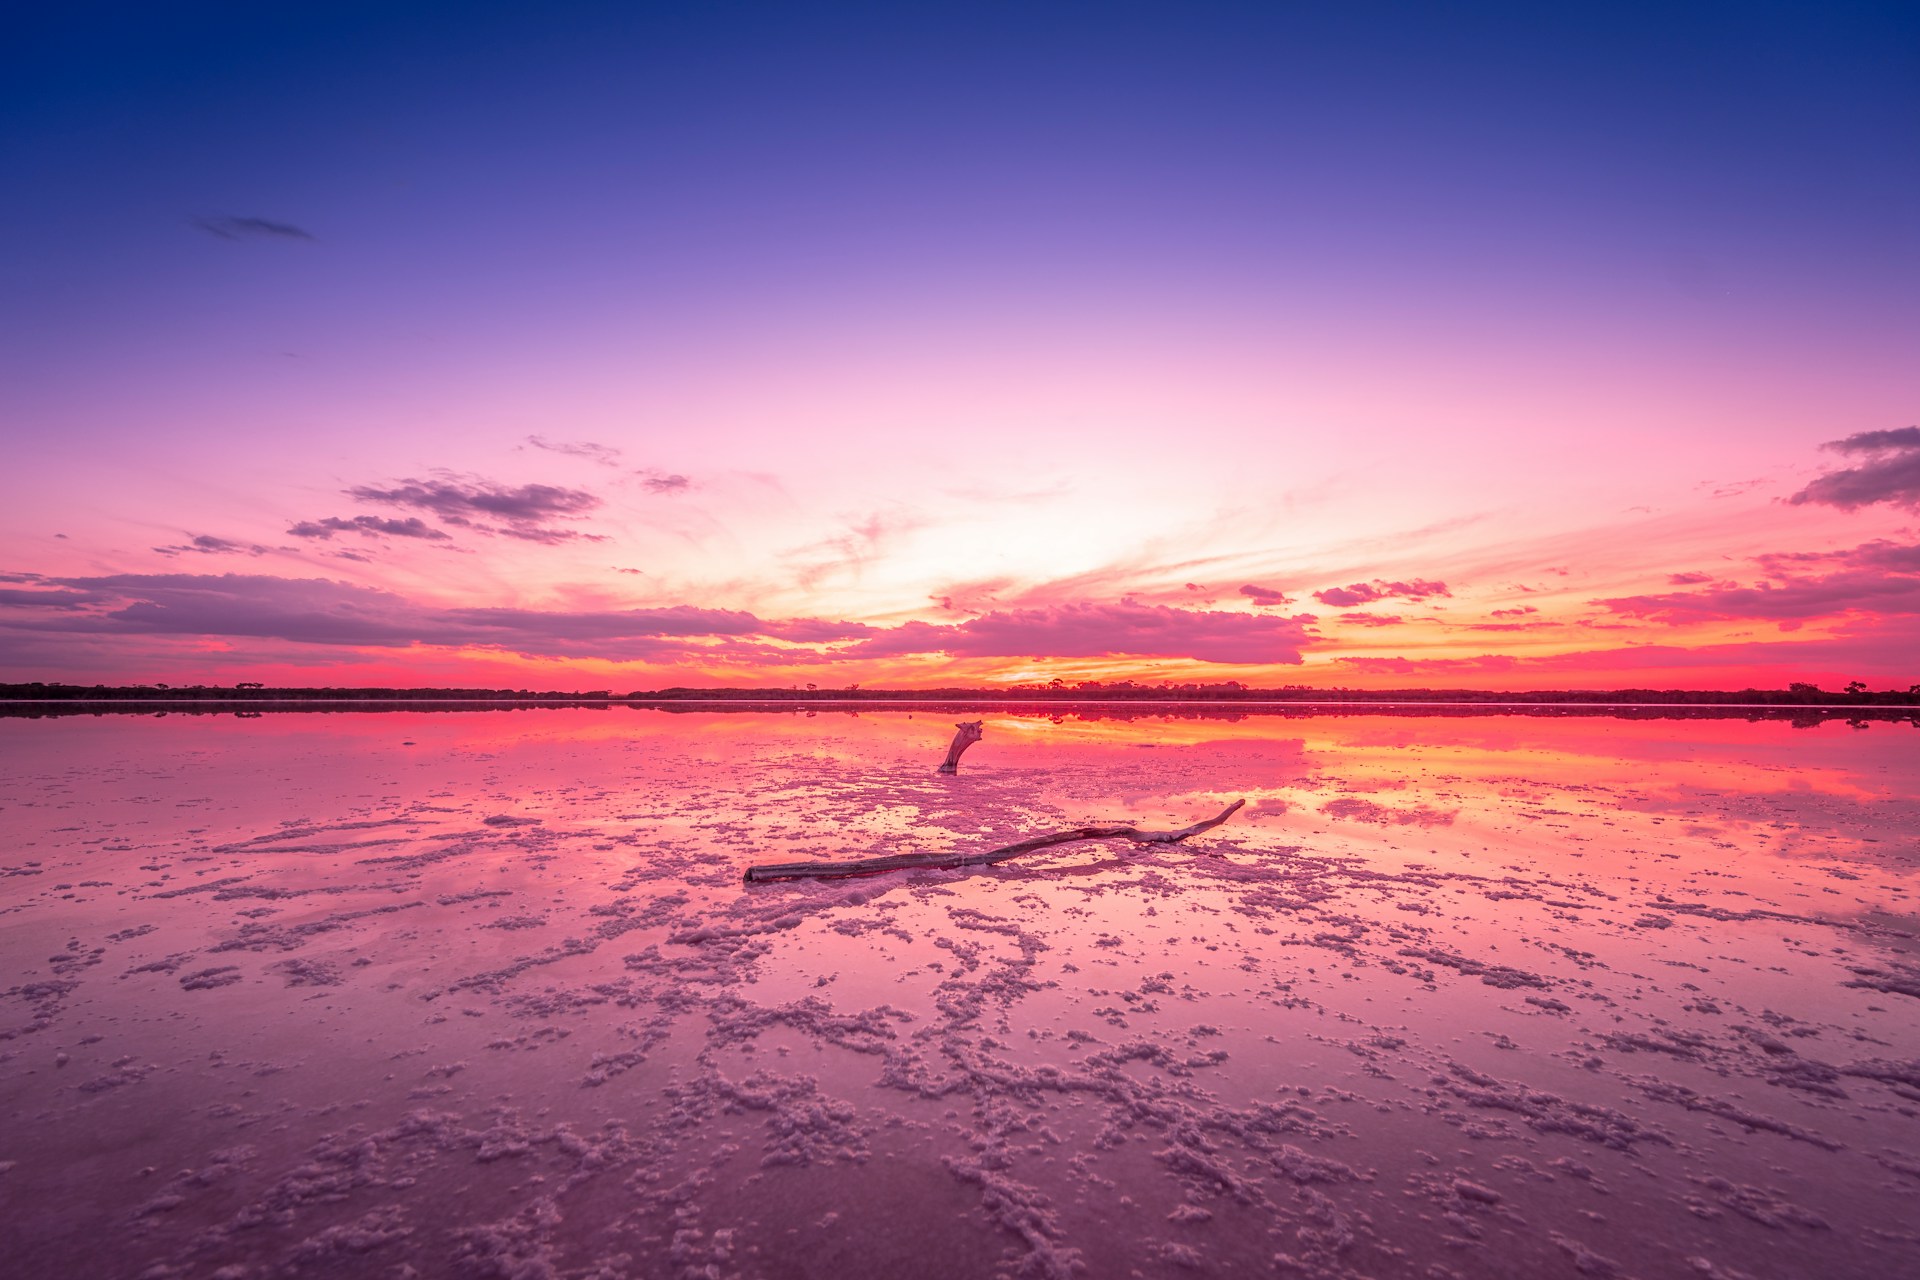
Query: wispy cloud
(604, 454)
(860, 543)
(207, 545)
(1483, 664)
(663, 482)
(230, 227)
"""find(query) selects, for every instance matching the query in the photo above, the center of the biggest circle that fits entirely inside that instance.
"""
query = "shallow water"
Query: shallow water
(482, 994)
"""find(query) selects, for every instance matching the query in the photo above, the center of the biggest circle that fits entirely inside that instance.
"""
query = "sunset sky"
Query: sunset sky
(605, 346)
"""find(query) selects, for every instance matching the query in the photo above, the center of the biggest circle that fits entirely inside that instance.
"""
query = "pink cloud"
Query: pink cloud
(1102, 630)
(317, 611)
(1400, 666)
(1875, 577)
(1875, 648)
(1359, 593)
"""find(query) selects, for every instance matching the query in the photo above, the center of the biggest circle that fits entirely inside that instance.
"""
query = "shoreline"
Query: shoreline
(1800, 714)
(982, 701)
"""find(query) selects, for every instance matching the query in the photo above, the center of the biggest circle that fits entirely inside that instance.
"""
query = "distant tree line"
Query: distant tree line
(249, 691)
(1798, 694)
(1804, 704)
(1855, 694)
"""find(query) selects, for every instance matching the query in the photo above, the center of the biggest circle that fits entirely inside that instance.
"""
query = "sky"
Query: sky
(628, 347)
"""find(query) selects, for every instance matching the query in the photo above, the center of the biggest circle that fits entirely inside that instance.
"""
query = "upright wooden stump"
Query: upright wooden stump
(968, 735)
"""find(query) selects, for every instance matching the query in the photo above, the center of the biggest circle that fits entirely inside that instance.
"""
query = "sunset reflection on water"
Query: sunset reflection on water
(465, 992)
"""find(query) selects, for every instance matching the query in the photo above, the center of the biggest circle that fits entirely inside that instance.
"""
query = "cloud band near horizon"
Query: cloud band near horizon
(325, 612)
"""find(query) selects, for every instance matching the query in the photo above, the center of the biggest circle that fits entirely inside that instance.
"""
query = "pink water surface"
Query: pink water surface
(482, 994)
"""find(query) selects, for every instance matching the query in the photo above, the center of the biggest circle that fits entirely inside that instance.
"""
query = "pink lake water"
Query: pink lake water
(483, 995)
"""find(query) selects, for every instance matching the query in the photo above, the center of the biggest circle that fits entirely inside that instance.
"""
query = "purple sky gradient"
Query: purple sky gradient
(965, 343)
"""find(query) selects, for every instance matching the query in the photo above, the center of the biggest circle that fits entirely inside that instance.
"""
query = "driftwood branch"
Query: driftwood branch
(968, 735)
(983, 858)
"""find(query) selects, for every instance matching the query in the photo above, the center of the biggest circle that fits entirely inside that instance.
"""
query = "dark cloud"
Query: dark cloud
(1359, 593)
(234, 228)
(1890, 557)
(1101, 630)
(312, 611)
(528, 502)
(525, 511)
(661, 482)
(369, 526)
(1890, 472)
(1881, 554)
(1688, 579)
(45, 599)
(1876, 441)
(208, 545)
(604, 454)
(1265, 597)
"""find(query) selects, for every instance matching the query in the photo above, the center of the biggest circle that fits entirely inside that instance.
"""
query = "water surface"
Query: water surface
(408, 994)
